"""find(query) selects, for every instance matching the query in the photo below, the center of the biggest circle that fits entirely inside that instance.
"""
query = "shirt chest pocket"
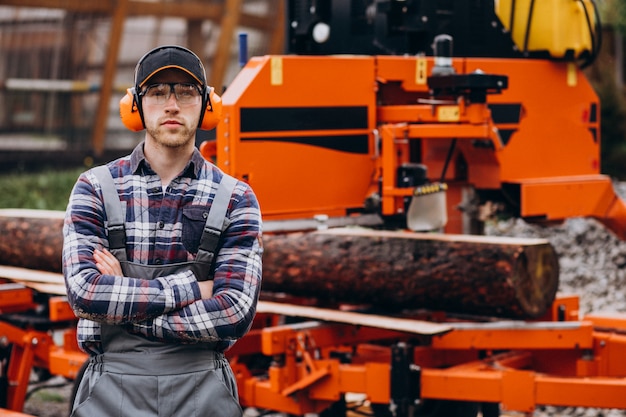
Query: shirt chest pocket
(194, 219)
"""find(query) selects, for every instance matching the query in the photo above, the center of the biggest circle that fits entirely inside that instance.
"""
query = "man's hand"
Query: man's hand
(206, 289)
(107, 263)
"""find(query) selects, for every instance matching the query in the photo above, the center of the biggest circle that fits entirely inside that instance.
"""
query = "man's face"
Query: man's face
(171, 121)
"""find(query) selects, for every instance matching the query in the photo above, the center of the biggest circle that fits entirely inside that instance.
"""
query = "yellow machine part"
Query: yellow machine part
(564, 28)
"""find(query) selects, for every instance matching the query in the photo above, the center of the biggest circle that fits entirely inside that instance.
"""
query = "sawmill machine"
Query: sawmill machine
(385, 111)
(422, 115)
(426, 115)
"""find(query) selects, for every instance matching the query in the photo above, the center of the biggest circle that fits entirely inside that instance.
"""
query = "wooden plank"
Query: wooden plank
(277, 35)
(32, 214)
(51, 289)
(195, 40)
(192, 9)
(188, 10)
(229, 23)
(30, 275)
(369, 320)
(41, 281)
(110, 67)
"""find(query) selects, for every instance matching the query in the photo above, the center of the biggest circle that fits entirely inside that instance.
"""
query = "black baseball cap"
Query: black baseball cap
(169, 56)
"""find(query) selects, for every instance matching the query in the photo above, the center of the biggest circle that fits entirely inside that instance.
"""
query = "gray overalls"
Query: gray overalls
(136, 377)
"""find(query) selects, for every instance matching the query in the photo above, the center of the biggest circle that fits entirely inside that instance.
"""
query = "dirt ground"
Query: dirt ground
(49, 399)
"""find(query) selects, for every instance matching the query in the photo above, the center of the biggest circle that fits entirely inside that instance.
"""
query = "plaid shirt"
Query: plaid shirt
(162, 227)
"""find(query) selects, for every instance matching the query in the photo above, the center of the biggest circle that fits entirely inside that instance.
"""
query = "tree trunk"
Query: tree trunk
(403, 270)
(390, 271)
(31, 239)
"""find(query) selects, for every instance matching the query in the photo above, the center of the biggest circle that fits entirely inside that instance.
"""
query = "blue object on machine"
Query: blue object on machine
(243, 49)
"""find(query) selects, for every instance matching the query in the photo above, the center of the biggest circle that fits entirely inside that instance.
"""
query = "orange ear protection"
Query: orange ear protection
(132, 113)
(129, 112)
(212, 110)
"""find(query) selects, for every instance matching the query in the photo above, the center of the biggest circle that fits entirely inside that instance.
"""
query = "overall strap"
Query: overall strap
(213, 228)
(115, 213)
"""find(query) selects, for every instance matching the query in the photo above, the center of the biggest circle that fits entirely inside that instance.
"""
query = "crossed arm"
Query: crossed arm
(175, 307)
(108, 264)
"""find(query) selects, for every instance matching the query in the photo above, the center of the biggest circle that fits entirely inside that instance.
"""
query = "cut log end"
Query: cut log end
(537, 276)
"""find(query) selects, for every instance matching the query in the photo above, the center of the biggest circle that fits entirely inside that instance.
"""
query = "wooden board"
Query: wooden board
(368, 320)
(41, 281)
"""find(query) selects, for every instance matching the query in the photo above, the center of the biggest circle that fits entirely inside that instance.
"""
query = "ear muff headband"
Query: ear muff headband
(212, 113)
(131, 111)
(131, 115)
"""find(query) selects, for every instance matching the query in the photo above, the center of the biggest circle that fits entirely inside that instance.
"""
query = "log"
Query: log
(31, 239)
(400, 324)
(389, 271)
(479, 275)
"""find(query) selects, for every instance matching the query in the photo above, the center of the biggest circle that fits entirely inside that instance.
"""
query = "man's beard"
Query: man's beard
(172, 140)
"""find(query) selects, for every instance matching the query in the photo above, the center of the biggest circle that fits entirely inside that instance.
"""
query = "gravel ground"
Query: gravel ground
(592, 265)
(49, 399)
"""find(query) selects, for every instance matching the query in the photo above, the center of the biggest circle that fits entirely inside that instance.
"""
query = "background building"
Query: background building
(64, 65)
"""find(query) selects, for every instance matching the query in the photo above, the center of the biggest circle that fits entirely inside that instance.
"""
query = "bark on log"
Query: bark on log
(483, 275)
(31, 239)
(505, 277)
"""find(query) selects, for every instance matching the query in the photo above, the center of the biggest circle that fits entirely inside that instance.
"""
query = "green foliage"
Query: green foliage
(50, 396)
(613, 13)
(45, 190)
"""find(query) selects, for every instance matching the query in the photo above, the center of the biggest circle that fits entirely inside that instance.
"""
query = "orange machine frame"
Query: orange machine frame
(310, 365)
(33, 344)
(558, 360)
(323, 135)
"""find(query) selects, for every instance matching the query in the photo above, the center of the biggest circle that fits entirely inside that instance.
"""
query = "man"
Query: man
(162, 259)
